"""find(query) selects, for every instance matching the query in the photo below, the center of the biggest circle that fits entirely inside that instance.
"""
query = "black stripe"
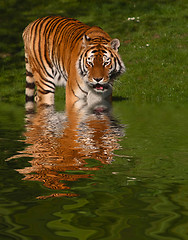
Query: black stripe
(47, 84)
(29, 74)
(100, 40)
(46, 80)
(30, 85)
(93, 47)
(29, 98)
(43, 91)
(39, 86)
(94, 51)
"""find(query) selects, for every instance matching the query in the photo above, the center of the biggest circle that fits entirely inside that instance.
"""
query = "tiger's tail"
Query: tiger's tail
(30, 87)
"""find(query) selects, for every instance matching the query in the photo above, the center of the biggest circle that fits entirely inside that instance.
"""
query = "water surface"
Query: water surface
(134, 185)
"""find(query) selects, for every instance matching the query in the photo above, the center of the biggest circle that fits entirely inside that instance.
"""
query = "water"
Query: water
(115, 174)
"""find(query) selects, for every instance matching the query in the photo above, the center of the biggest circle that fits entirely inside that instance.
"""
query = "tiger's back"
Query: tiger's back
(64, 51)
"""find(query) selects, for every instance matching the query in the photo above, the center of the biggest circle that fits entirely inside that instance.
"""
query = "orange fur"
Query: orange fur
(64, 51)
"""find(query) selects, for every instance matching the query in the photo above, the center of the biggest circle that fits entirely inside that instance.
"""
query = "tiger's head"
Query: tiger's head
(99, 63)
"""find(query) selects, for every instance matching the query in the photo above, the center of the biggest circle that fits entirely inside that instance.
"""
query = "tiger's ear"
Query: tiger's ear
(86, 40)
(115, 43)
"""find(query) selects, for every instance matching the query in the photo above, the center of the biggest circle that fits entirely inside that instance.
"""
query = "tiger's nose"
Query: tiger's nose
(98, 79)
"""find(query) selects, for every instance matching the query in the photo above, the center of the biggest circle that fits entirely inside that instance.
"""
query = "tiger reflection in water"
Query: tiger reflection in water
(62, 141)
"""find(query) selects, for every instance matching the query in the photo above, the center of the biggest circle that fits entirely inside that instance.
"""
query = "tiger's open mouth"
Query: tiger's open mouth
(100, 87)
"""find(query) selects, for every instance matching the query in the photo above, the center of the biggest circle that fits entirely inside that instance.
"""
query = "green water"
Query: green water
(141, 195)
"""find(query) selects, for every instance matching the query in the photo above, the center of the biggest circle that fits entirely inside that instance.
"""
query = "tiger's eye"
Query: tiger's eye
(90, 61)
(107, 61)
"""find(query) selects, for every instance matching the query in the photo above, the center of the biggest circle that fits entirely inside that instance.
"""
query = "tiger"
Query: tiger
(65, 52)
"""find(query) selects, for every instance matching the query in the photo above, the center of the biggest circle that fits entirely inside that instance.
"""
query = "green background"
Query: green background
(153, 46)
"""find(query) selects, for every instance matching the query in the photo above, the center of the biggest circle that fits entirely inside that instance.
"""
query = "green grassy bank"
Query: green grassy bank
(153, 35)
